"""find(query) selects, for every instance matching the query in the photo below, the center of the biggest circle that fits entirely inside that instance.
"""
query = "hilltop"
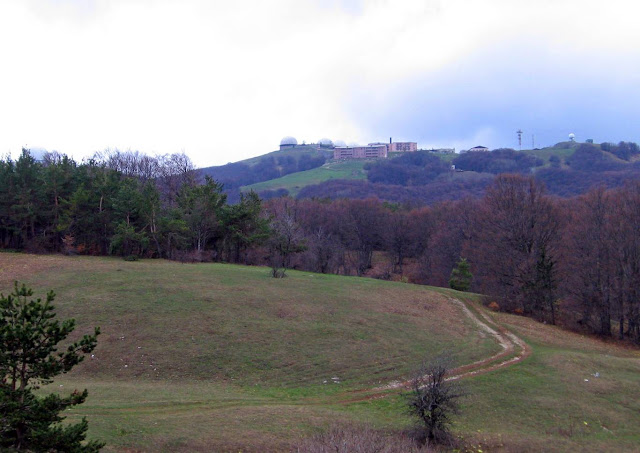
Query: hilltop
(267, 167)
(422, 177)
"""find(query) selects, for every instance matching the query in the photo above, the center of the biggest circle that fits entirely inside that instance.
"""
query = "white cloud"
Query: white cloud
(226, 80)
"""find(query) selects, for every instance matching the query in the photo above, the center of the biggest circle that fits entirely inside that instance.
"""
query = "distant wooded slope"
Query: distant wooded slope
(423, 177)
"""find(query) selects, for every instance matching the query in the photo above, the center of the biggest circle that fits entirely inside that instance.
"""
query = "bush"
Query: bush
(433, 400)
(359, 439)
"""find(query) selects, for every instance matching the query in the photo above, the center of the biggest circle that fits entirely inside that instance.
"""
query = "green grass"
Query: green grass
(349, 169)
(447, 157)
(564, 151)
(214, 356)
(552, 401)
(235, 323)
(546, 153)
(225, 358)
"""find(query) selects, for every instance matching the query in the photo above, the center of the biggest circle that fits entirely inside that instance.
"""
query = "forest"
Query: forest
(422, 177)
(122, 203)
(572, 261)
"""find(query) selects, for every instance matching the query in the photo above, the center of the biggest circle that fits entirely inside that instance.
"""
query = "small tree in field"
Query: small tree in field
(29, 358)
(433, 400)
(461, 276)
(286, 239)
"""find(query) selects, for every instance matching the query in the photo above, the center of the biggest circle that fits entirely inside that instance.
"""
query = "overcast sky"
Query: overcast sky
(226, 80)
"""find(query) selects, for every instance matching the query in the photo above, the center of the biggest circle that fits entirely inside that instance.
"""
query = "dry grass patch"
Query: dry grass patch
(559, 337)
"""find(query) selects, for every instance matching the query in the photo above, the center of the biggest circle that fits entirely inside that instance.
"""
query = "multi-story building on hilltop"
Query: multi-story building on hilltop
(398, 147)
(371, 151)
(361, 152)
(403, 147)
(374, 150)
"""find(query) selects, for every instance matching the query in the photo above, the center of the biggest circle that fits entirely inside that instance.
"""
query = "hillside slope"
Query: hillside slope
(567, 168)
(294, 182)
(268, 166)
(216, 357)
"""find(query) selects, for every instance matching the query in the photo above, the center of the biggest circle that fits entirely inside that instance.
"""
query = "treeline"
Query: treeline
(502, 160)
(410, 169)
(424, 167)
(623, 150)
(571, 261)
(590, 167)
(123, 203)
(451, 186)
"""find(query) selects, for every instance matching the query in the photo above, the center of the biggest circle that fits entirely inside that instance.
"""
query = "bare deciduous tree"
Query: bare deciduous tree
(520, 235)
(434, 400)
(286, 237)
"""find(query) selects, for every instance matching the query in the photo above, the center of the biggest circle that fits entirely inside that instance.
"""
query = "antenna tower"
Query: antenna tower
(519, 132)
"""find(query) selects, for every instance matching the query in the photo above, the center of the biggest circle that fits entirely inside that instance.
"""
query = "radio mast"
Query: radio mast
(519, 132)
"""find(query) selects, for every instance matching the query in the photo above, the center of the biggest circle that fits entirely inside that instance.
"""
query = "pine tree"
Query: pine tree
(461, 276)
(29, 358)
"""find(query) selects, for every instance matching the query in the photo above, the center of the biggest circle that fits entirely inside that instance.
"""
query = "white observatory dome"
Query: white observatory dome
(288, 141)
(339, 143)
(325, 142)
(572, 136)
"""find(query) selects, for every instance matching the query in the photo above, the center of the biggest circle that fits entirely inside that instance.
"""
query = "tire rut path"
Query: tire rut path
(514, 350)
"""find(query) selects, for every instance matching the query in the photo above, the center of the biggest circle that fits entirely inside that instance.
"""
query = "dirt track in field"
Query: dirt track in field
(514, 350)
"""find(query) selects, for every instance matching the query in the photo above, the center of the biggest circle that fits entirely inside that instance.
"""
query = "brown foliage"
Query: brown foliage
(519, 245)
(359, 439)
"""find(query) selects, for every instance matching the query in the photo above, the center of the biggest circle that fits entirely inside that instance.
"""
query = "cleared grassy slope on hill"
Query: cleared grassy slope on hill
(353, 170)
(192, 356)
(546, 153)
(349, 169)
(267, 166)
(214, 352)
(224, 322)
(564, 151)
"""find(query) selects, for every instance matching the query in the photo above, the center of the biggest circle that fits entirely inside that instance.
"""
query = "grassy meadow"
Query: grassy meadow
(293, 182)
(553, 401)
(546, 153)
(215, 357)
